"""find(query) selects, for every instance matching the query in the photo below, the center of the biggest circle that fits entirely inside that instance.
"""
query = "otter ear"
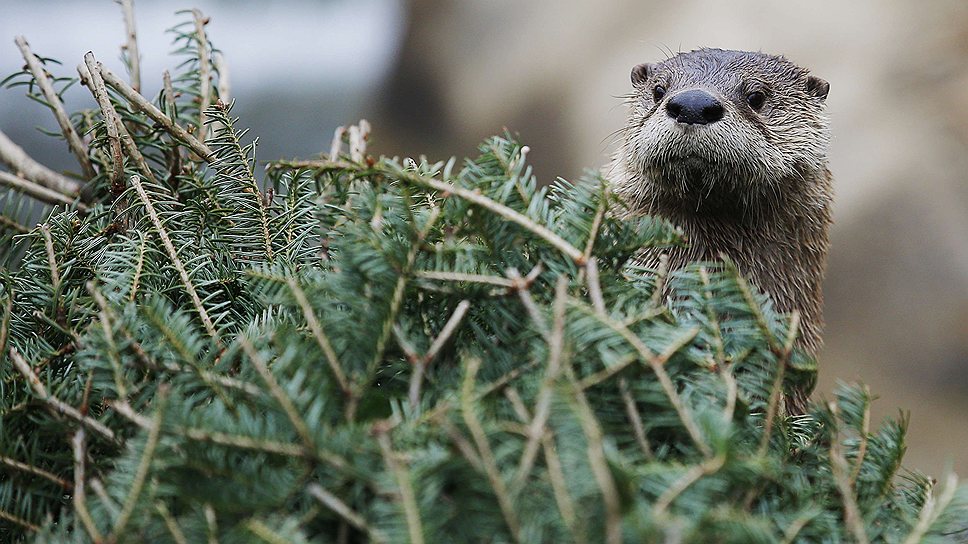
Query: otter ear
(817, 87)
(641, 73)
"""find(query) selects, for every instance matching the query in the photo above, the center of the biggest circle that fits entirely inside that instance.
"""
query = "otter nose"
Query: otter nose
(695, 107)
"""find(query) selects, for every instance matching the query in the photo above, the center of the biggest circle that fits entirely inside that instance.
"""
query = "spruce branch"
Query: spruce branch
(420, 365)
(934, 506)
(468, 411)
(175, 260)
(176, 532)
(410, 507)
(317, 329)
(141, 474)
(776, 390)
(74, 142)
(7, 516)
(56, 405)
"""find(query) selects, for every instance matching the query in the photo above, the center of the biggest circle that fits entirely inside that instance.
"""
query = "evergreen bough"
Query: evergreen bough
(359, 349)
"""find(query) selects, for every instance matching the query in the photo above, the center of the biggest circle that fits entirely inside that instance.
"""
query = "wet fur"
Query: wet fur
(753, 186)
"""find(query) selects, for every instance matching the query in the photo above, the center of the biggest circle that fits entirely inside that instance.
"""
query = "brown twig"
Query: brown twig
(23, 166)
(92, 78)
(131, 46)
(224, 84)
(838, 468)
(38, 192)
(204, 71)
(416, 378)
(80, 497)
(36, 471)
(343, 510)
(74, 141)
(410, 507)
(317, 329)
(143, 105)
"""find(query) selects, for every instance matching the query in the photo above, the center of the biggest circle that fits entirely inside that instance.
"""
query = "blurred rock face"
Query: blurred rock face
(897, 287)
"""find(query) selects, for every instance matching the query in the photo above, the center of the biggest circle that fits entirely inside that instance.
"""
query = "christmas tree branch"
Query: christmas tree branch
(74, 142)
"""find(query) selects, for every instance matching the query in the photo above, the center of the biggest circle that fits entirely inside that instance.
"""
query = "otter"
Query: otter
(731, 146)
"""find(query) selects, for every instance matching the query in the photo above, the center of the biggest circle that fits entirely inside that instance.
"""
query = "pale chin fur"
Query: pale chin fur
(730, 156)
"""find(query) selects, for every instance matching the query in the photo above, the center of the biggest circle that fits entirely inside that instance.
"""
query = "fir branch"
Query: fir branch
(707, 467)
(542, 410)
(838, 468)
(777, 390)
(170, 523)
(599, 464)
(934, 507)
(4, 515)
(74, 142)
(56, 405)
(635, 418)
(465, 278)
(317, 329)
(484, 449)
(147, 456)
(298, 423)
(420, 365)
(175, 260)
(51, 258)
(410, 508)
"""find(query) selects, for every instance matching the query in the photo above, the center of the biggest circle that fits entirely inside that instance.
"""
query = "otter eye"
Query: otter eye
(658, 92)
(756, 99)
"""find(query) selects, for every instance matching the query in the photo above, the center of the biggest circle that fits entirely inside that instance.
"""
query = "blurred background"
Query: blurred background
(438, 76)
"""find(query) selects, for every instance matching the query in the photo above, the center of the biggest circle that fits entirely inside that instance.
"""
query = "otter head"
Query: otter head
(714, 128)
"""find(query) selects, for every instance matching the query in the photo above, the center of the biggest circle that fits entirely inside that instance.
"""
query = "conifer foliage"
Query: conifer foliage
(353, 349)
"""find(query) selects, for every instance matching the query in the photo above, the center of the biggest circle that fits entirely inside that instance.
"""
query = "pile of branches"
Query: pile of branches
(355, 349)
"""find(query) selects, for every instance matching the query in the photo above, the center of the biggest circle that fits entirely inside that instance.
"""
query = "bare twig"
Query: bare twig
(23, 166)
(51, 257)
(176, 261)
(91, 76)
(594, 286)
(170, 523)
(38, 192)
(466, 278)
(204, 71)
(16, 520)
(53, 402)
(416, 378)
(131, 47)
(709, 466)
(335, 504)
(74, 141)
(36, 471)
(80, 497)
(224, 84)
(142, 104)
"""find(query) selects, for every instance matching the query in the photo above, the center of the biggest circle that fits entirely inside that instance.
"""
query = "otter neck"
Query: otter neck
(779, 244)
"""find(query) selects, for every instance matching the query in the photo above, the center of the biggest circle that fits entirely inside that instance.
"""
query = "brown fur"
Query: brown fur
(753, 186)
